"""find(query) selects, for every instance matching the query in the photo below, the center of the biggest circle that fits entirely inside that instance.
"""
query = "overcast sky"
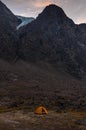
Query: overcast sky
(75, 9)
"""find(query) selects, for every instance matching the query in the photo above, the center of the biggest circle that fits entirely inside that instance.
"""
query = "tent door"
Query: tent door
(43, 111)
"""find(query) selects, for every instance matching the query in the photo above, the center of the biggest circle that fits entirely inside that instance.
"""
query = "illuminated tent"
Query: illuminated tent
(41, 110)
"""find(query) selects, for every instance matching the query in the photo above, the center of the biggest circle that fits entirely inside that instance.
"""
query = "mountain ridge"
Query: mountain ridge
(8, 37)
(54, 40)
(52, 37)
(42, 63)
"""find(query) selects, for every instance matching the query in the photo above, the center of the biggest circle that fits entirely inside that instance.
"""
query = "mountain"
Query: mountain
(43, 62)
(52, 37)
(55, 38)
(24, 21)
(8, 37)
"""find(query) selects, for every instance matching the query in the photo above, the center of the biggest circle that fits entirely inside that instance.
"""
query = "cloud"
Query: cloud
(75, 9)
(42, 4)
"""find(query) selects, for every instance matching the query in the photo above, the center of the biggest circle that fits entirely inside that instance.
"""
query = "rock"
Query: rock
(8, 37)
(81, 122)
(55, 38)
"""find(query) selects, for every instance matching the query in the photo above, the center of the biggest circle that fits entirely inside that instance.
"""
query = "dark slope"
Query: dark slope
(8, 23)
(57, 46)
(54, 38)
(82, 33)
(26, 85)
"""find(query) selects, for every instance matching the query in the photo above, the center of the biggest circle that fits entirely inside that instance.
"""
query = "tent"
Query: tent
(41, 110)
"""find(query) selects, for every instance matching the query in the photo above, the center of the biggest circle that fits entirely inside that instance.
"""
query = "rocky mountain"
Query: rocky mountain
(42, 62)
(24, 21)
(55, 38)
(52, 38)
(8, 23)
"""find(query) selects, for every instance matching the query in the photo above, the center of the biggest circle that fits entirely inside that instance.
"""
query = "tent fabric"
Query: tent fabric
(41, 110)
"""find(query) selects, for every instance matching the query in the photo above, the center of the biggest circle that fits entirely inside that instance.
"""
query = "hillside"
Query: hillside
(54, 38)
(26, 85)
(45, 58)
(42, 63)
(8, 37)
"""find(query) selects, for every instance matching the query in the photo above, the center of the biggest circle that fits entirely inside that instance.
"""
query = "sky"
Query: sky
(75, 9)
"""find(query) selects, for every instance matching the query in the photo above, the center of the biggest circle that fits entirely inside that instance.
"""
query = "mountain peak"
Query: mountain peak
(52, 12)
(53, 7)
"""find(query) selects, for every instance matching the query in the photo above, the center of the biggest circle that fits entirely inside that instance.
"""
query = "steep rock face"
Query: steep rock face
(82, 33)
(8, 23)
(54, 38)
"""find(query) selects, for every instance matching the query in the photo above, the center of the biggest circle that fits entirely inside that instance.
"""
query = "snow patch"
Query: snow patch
(25, 21)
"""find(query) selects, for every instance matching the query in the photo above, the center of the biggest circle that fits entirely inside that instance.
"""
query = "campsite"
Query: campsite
(19, 107)
(42, 65)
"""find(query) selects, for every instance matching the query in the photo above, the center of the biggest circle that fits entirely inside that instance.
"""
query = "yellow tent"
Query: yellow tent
(41, 110)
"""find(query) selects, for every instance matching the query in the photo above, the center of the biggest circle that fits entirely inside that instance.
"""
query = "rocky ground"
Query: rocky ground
(25, 86)
(25, 120)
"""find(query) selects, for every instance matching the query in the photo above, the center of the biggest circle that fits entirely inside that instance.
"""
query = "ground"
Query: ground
(21, 120)
(25, 86)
